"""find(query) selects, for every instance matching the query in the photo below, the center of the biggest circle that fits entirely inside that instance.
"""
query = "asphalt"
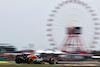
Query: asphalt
(66, 63)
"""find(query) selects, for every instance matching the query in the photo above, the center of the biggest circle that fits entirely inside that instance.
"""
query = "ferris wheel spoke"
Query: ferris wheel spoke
(60, 22)
(58, 28)
(59, 25)
(89, 31)
(52, 24)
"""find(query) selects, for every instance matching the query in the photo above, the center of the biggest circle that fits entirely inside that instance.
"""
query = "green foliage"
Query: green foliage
(96, 52)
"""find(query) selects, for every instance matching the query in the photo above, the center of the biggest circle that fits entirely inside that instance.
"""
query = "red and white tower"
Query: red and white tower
(73, 43)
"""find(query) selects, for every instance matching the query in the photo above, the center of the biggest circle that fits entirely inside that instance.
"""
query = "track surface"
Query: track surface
(78, 63)
(63, 63)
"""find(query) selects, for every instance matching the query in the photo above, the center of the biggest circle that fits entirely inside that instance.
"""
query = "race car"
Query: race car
(33, 59)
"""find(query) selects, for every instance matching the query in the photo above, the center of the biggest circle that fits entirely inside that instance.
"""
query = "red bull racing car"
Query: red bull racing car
(33, 59)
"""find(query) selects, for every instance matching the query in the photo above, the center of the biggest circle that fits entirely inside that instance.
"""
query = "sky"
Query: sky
(23, 22)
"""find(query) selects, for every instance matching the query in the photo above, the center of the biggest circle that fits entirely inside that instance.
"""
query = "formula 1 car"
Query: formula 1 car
(33, 59)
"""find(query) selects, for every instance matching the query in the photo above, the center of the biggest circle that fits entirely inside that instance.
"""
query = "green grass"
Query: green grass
(37, 65)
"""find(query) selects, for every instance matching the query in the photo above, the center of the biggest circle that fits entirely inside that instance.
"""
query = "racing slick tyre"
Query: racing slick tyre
(29, 61)
(51, 61)
(18, 60)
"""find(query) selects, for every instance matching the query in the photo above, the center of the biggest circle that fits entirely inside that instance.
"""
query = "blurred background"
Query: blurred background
(25, 27)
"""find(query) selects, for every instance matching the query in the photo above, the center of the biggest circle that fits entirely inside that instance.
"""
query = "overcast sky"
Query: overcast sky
(23, 22)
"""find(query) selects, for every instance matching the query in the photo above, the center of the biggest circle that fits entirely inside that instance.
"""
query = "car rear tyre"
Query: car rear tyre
(18, 60)
(51, 61)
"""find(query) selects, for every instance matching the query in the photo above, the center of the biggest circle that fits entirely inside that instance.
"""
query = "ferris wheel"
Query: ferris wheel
(73, 13)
